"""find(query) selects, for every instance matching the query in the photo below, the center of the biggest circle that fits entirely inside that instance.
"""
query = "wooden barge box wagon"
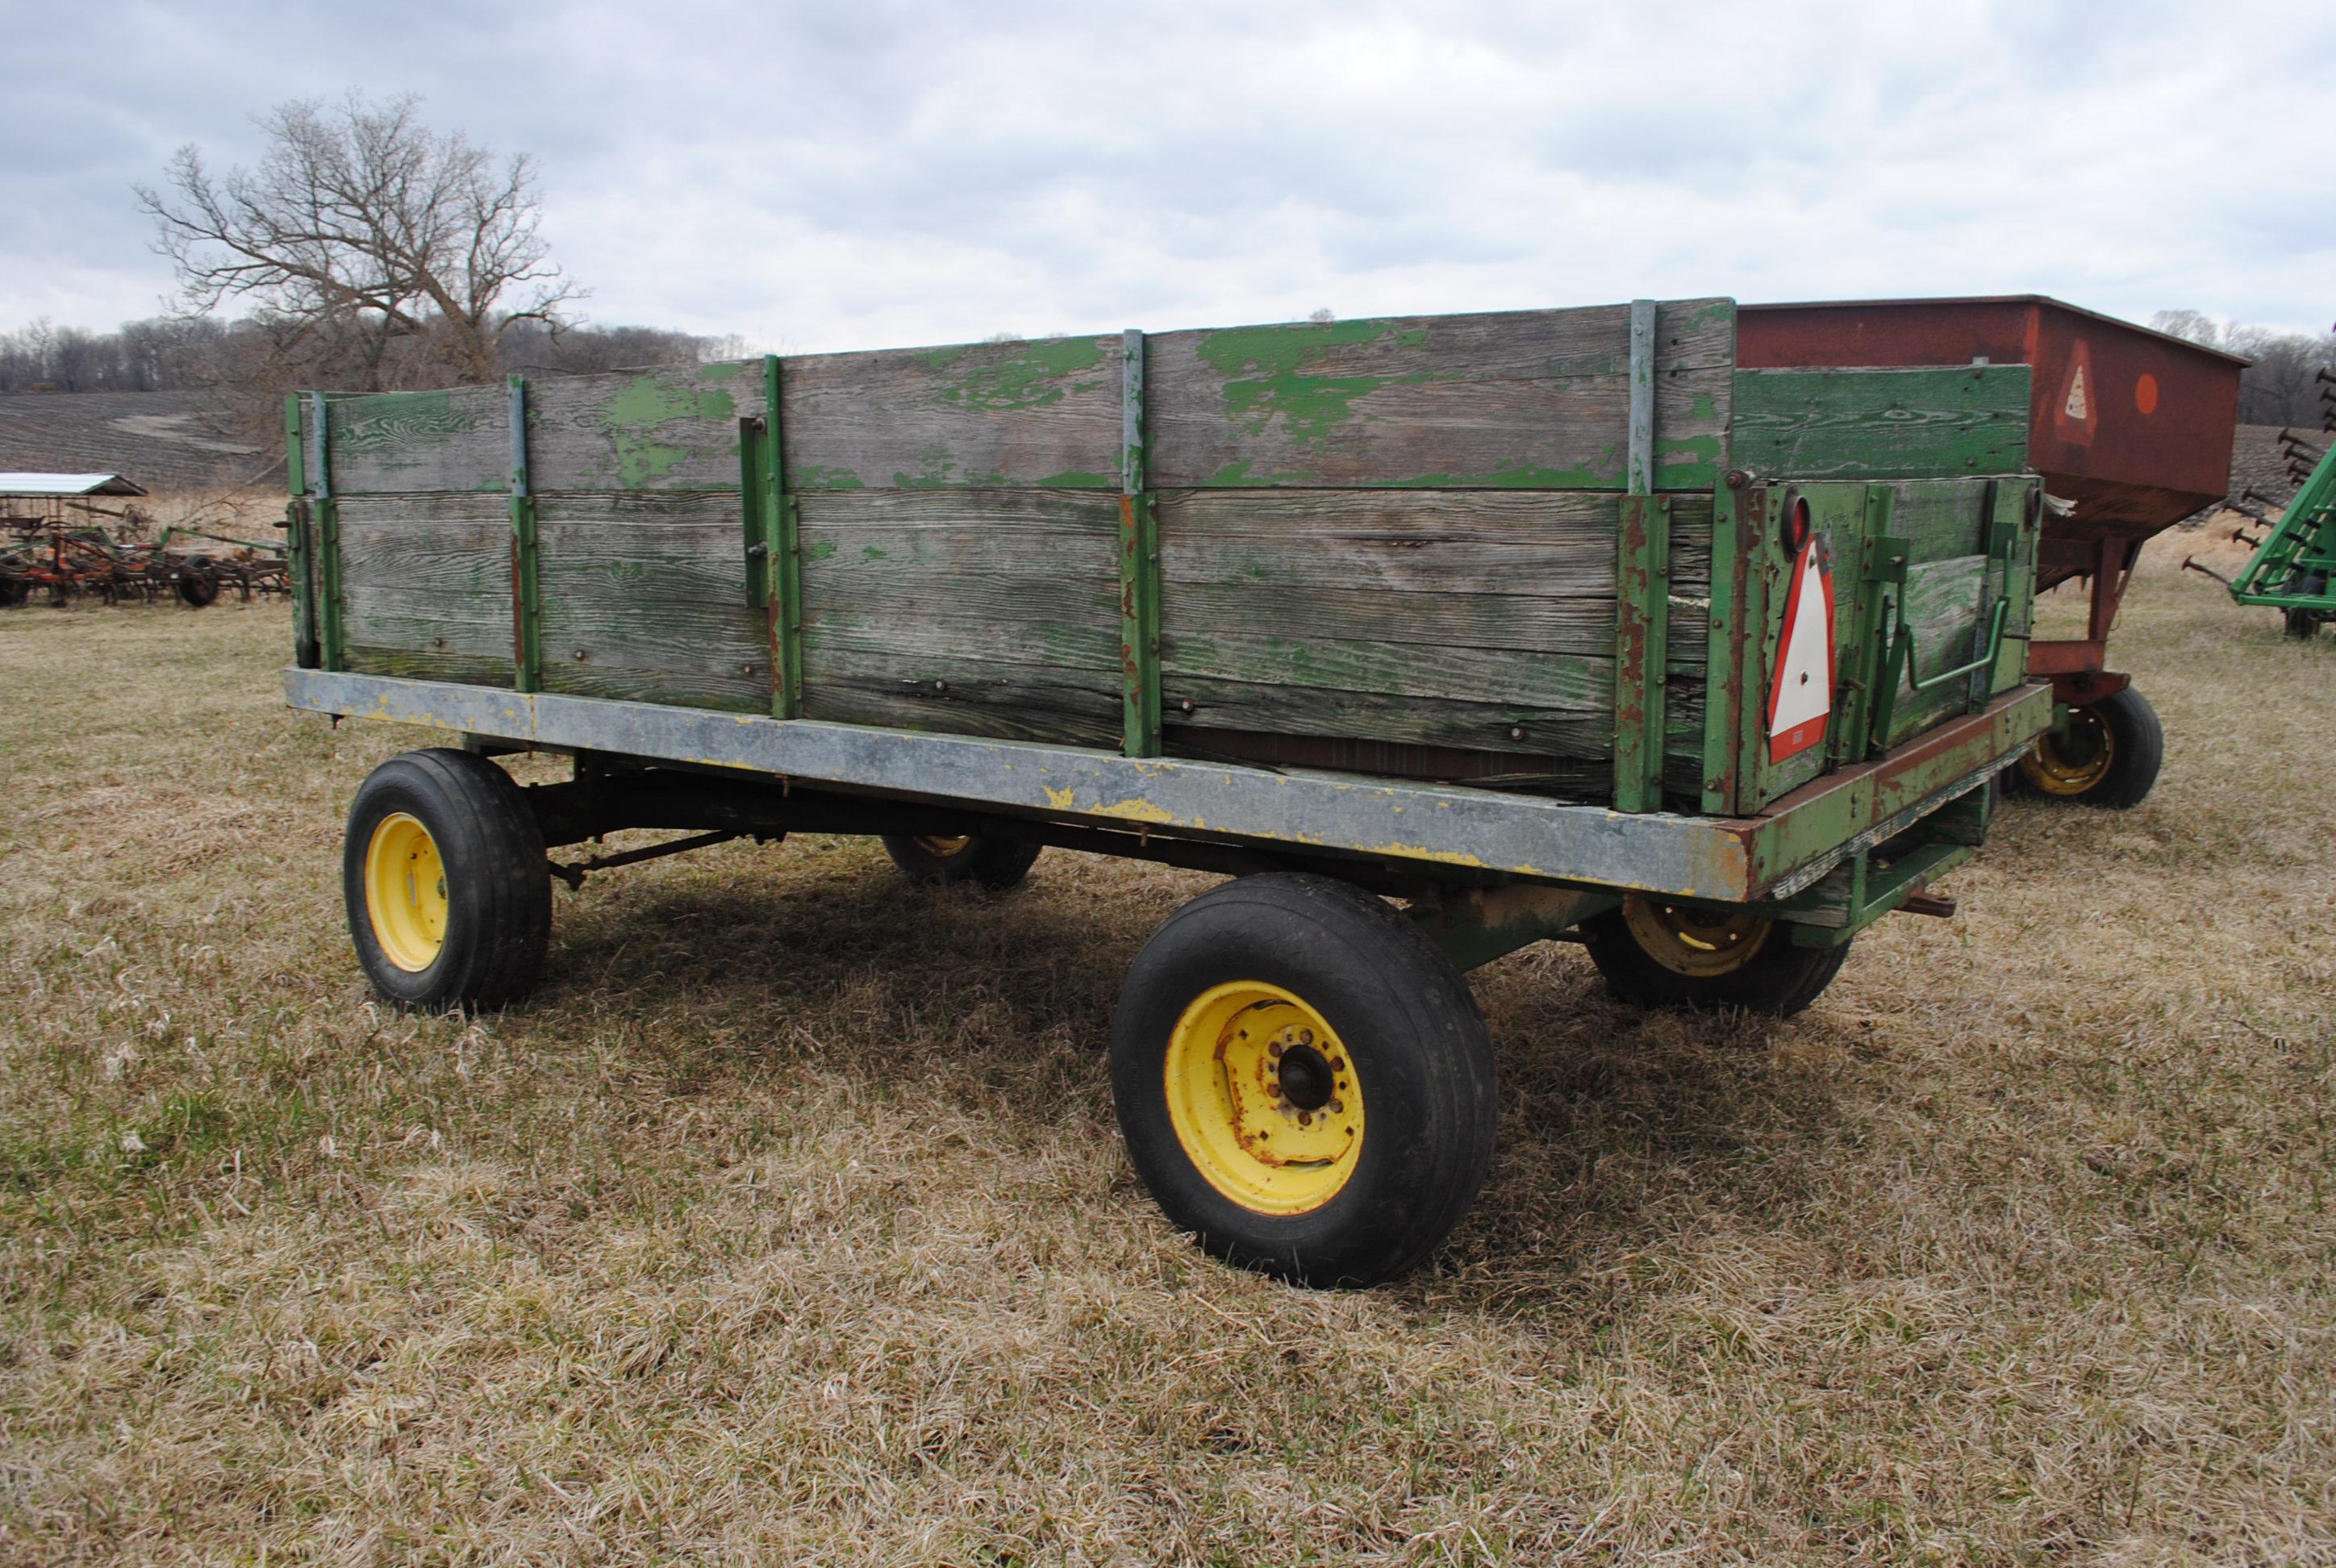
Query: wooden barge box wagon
(1440, 636)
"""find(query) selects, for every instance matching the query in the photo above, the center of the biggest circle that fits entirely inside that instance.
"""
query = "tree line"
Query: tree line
(196, 352)
(2284, 385)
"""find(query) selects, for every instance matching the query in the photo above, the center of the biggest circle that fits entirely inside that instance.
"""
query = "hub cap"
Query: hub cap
(1264, 1098)
(2072, 759)
(942, 848)
(405, 892)
(1693, 942)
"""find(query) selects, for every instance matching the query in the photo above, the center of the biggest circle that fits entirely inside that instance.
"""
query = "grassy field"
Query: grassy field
(789, 1222)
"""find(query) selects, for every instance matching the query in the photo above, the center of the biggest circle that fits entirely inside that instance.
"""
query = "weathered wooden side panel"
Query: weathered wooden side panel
(1956, 423)
(993, 613)
(644, 599)
(426, 591)
(411, 442)
(656, 430)
(1041, 414)
(1531, 400)
(1470, 620)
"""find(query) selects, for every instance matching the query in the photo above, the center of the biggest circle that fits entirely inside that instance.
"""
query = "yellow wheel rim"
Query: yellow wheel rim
(2073, 759)
(942, 848)
(1695, 943)
(405, 892)
(1264, 1098)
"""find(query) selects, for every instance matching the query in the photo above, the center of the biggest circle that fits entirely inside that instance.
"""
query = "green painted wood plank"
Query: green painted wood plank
(1956, 422)
(1139, 567)
(1640, 647)
(1042, 414)
(413, 442)
(1504, 400)
(643, 431)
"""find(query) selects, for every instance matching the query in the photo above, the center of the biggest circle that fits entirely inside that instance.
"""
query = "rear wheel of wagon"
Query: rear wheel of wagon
(444, 877)
(1654, 954)
(983, 859)
(1303, 1080)
(2108, 754)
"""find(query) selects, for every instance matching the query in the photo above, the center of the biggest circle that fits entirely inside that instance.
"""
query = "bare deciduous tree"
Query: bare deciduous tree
(363, 243)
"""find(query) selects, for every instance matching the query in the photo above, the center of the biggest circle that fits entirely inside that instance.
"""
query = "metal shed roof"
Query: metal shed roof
(67, 485)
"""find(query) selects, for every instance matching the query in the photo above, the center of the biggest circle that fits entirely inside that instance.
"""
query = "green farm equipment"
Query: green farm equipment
(2294, 570)
(1440, 636)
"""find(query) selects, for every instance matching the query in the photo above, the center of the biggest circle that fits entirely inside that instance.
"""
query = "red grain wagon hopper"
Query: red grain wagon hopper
(2132, 426)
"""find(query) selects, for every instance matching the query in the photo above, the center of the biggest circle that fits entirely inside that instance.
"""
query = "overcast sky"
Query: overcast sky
(815, 176)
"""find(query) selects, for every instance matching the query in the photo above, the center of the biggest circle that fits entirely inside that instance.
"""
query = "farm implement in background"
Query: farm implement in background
(51, 546)
(2293, 568)
(2131, 431)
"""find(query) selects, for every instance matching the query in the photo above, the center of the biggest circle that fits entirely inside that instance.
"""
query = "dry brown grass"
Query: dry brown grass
(789, 1223)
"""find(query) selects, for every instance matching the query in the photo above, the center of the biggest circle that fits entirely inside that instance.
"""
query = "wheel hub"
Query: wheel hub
(405, 892)
(1263, 1097)
(2072, 759)
(1689, 940)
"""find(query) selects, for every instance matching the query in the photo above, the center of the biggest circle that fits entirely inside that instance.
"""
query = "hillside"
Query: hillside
(157, 438)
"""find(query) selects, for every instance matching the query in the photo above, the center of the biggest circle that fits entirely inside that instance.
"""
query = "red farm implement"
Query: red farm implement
(58, 545)
(2131, 431)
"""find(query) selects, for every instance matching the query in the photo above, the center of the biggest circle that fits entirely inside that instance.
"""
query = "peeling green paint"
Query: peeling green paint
(1029, 378)
(1078, 479)
(640, 408)
(827, 479)
(870, 552)
(1696, 451)
(1263, 378)
(1238, 474)
(942, 358)
(721, 369)
(823, 549)
(1585, 476)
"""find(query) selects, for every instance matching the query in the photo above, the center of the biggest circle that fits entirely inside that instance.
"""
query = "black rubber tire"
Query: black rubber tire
(197, 584)
(12, 591)
(498, 882)
(2140, 754)
(984, 859)
(1780, 979)
(2304, 624)
(1418, 1046)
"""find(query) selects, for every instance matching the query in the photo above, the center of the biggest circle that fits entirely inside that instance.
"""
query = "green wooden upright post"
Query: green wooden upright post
(1139, 565)
(1643, 578)
(782, 535)
(1727, 663)
(527, 583)
(297, 557)
(331, 648)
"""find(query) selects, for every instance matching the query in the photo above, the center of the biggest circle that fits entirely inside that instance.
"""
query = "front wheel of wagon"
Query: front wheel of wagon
(1303, 1080)
(982, 859)
(1654, 954)
(443, 875)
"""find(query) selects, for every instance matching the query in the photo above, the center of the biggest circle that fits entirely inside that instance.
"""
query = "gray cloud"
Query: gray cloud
(829, 176)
